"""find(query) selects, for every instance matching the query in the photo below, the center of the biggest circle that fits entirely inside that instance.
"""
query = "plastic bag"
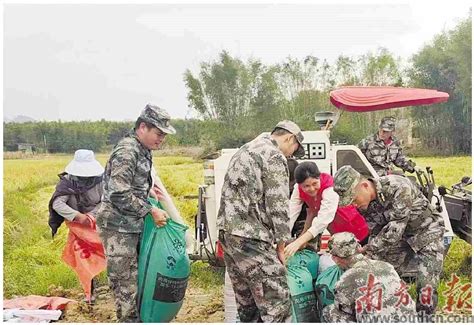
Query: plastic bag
(168, 205)
(325, 261)
(30, 316)
(84, 253)
(163, 270)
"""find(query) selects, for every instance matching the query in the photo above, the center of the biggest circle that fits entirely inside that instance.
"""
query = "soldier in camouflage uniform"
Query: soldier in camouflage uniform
(369, 290)
(127, 183)
(403, 226)
(253, 218)
(383, 149)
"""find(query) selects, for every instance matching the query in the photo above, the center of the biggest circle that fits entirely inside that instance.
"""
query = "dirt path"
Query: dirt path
(199, 305)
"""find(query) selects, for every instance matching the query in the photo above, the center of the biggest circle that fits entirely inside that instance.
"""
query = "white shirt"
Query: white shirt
(326, 213)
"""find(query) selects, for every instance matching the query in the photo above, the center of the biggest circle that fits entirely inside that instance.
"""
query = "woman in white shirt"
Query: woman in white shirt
(315, 189)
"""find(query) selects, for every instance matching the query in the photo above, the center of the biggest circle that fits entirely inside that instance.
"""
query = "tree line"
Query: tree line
(236, 100)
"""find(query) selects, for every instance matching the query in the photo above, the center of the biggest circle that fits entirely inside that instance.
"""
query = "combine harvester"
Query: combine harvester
(454, 205)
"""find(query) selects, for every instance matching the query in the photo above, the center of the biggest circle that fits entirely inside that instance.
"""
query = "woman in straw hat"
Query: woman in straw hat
(77, 197)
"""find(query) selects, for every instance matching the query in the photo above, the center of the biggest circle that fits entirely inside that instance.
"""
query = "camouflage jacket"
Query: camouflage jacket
(254, 201)
(127, 183)
(370, 291)
(400, 212)
(382, 156)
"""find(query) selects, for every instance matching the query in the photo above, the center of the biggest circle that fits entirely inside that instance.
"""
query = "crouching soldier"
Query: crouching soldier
(369, 291)
(403, 226)
(253, 217)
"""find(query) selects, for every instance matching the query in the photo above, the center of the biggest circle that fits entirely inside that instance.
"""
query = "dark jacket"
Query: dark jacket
(68, 187)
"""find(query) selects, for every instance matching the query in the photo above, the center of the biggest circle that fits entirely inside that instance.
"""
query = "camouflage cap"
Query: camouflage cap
(345, 182)
(158, 117)
(387, 124)
(343, 244)
(294, 129)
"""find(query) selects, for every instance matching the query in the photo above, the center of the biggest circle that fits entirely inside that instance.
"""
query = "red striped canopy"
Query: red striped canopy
(365, 99)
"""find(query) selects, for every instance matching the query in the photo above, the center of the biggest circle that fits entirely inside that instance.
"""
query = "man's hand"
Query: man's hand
(82, 219)
(281, 252)
(159, 216)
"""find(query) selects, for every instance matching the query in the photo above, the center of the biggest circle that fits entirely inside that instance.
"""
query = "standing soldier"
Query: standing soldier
(369, 291)
(383, 149)
(253, 217)
(403, 226)
(127, 183)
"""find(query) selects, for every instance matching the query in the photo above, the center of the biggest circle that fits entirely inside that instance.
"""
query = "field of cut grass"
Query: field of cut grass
(32, 260)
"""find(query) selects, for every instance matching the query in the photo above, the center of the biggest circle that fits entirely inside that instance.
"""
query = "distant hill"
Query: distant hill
(20, 119)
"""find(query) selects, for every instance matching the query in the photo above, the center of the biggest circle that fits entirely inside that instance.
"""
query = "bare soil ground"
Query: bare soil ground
(200, 305)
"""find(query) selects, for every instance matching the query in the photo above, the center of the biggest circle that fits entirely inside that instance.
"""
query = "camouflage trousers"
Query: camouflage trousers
(258, 279)
(121, 250)
(428, 263)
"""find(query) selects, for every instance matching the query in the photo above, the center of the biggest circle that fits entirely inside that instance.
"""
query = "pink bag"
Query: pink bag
(37, 302)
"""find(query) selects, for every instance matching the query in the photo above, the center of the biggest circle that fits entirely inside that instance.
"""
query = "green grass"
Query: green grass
(205, 276)
(458, 261)
(447, 170)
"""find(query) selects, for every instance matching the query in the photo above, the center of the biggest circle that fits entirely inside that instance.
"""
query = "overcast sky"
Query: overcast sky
(87, 62)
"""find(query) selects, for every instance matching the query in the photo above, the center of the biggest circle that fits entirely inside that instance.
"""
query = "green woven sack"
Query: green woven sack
(303, 299)
(324, 287)
(308, 259)
(163, 270)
